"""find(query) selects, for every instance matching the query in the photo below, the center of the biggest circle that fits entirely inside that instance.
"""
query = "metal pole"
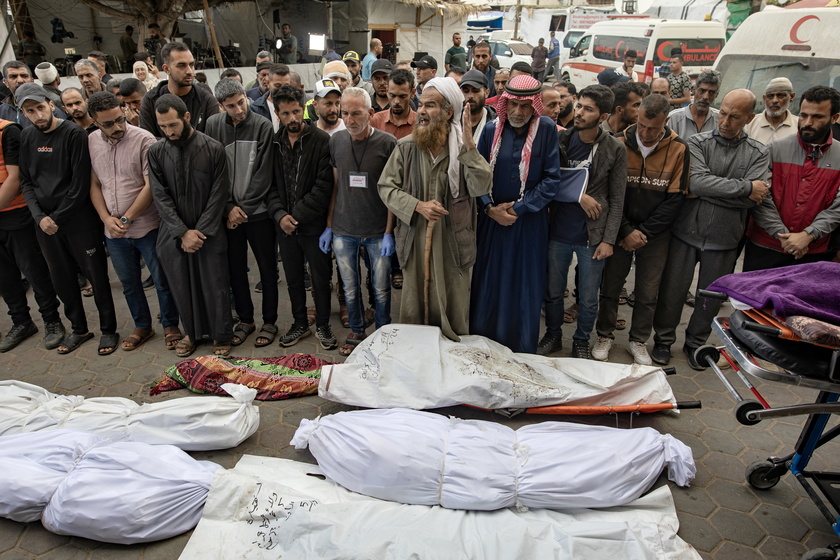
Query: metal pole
(219, 62)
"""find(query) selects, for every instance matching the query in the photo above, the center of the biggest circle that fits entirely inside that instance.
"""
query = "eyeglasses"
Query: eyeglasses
(111, 124)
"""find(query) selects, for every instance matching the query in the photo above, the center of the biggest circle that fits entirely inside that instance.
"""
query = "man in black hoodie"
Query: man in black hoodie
(179, 65)
(303, 179)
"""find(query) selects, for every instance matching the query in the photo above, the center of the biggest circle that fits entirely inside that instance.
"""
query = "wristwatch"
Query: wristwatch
(126, 221)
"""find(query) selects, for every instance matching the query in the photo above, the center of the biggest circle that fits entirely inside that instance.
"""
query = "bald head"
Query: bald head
(736, 111)
(660, 86)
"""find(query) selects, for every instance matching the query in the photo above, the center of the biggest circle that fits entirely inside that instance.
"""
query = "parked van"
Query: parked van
(798, 44)
(604, 44)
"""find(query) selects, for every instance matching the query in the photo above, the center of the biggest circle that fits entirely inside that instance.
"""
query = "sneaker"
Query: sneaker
(661, 354)
(549, 344)
(54, 334)
(258, 287)
(18, 334)
(692, 361)
(580, 349)
(148, 283)
(640, 354)
(326, 337)
(294, 334)
(601, 351)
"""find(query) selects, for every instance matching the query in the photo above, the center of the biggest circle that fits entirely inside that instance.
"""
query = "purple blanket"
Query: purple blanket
(810, 289)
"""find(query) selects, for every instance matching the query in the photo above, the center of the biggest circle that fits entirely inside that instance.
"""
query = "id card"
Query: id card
(358, 179)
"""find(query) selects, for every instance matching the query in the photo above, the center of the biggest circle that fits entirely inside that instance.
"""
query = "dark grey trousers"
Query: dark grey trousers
(676, 280)
(650, 263)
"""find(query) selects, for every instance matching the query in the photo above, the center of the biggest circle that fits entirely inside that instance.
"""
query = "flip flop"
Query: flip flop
(571, 314)
(241, 332)
(87, 291)
(73, 341)
(184, 348)
(108, 344)
(350, 343)
(221, 348)
(622, 297)
(172, 335)
(344, 315)
(620, 324)
(136, 338)
(397, 280)
(268, 332)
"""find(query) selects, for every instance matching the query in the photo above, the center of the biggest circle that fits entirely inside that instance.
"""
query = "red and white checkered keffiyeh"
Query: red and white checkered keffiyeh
(520, 87)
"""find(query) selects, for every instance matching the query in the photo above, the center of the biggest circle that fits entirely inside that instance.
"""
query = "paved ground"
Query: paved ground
(720, 515)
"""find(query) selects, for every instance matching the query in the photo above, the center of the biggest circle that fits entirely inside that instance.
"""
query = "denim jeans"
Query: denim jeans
(125, 256)
(346, 249)
(589, 282)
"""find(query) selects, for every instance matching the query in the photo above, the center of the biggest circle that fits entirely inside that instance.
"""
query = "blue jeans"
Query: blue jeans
(125, 256)
(346, 249)
(589, 282)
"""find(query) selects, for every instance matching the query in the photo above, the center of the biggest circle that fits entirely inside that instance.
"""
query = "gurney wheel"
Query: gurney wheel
(744, 408)
(707, 355)
(756, 476)
(820, 554)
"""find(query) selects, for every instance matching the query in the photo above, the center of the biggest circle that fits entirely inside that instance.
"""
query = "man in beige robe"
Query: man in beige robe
(434, 175)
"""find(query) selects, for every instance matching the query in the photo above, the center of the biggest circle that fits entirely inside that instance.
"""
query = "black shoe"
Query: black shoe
(549, 344)
(148, 283)
(18, 334)
(580, 349)
(661, 354)
(258, 287)
(692, 361)
(54, 334)
(294, 334)
(326, 337)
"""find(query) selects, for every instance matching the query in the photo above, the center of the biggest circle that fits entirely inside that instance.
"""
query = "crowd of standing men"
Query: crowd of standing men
(462, 190)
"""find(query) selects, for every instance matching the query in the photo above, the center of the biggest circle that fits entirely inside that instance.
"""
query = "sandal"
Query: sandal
(221, 348)
(185, 347)
(172, 336)
(622, 297)
(241, 333)
(136, 338)
(267, 334)
(397, 280)
(620, 324)
(350, 344)
(370, 316)
(345, 317)
(87, 291)
(571, 314)
(689, 299)
(631, 299)
(108, 344)
(73, 341)
(310, 315)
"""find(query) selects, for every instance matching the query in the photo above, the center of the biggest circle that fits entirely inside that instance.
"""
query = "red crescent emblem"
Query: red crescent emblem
(795, 29)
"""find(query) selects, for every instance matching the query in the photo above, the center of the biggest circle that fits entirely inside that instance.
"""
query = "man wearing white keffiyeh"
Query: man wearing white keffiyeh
(432, 177)
(512, 251)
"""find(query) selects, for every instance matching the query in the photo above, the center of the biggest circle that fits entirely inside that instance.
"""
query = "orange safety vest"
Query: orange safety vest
(19, 201)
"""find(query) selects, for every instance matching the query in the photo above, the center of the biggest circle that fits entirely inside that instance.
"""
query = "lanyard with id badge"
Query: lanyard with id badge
(359, 178)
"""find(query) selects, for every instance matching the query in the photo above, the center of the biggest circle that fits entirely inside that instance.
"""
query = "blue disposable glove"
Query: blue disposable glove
(325, 240)
(388, 245)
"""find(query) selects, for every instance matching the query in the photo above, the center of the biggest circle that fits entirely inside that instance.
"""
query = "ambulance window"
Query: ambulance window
(613, 47)
(583, 45)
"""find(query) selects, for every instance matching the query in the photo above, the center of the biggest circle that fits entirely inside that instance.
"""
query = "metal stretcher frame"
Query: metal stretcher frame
(764, 475)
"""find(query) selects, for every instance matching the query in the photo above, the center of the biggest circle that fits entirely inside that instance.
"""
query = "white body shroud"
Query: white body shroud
(81, 485)
(190, 423)
(412, 366)
(424, 458)
(251, 515)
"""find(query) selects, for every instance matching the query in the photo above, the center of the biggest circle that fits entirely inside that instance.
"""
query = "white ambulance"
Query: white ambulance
(604, 45)
(798, 44)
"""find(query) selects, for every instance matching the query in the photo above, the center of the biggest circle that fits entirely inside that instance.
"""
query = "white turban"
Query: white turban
(450, 89)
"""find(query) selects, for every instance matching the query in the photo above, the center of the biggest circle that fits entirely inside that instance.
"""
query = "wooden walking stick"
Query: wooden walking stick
(427, 270)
